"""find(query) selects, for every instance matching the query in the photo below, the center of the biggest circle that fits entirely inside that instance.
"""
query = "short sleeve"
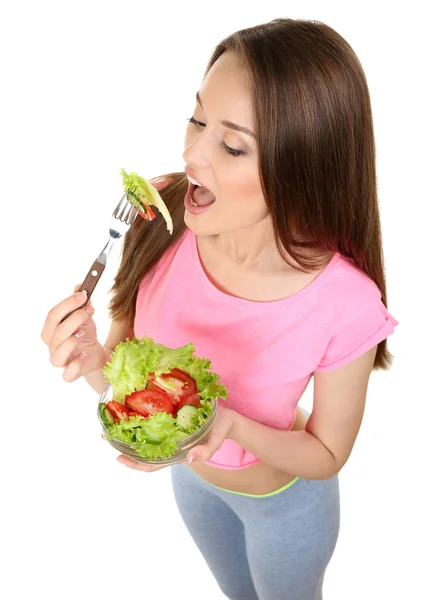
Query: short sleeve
(357, 334)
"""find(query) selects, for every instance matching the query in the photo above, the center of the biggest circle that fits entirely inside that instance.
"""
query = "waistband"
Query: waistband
(285, 487)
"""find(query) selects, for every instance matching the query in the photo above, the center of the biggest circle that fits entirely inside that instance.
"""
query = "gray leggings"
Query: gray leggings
(271, 547)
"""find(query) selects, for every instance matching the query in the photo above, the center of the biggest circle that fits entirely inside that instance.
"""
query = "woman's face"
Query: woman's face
(222, 158)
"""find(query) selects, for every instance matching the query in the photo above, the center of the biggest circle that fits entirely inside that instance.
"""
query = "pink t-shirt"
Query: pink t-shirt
(264, 352)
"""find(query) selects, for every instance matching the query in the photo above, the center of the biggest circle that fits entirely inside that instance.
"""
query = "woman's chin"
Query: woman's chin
(198, 225)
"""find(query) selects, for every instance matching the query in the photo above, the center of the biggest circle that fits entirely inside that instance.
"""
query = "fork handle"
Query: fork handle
(89, 284)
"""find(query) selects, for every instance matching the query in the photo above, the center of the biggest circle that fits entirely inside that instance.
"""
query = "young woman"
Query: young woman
(275, 272)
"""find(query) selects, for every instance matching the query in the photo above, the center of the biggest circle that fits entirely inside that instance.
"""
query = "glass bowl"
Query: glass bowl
(184, 445)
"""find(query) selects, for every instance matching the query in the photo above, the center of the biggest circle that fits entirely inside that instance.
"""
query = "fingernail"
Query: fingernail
(82, 355)
(79, 333)
(81, 296)
(193, 457)
(89, 310)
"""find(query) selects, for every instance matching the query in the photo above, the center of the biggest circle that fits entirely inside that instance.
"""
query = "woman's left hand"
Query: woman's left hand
(221, 430)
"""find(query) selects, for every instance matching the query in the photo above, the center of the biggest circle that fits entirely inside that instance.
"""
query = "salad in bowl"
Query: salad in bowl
(159, 402)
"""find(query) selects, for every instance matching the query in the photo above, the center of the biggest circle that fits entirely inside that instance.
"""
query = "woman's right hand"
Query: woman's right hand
(73, 344)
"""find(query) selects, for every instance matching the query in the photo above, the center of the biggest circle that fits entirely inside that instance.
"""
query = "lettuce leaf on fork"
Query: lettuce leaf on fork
(145, 193)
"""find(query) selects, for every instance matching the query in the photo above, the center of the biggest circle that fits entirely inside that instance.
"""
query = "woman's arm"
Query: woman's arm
(323, 448)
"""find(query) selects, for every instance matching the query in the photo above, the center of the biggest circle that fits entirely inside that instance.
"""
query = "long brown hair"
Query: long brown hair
(314, 127)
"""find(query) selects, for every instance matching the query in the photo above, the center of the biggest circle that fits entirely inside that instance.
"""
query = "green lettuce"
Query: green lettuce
(131, 363)
(151, 438)
(199, 369)
(145, 193)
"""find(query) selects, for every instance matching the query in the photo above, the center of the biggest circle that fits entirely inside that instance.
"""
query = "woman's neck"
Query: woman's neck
(248, 248)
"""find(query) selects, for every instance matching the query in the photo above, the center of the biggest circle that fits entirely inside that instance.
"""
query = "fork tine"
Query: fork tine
(131, 214)
(126, 210)
(133, 206)
(126, 205)
(117, 208)
(134, 216)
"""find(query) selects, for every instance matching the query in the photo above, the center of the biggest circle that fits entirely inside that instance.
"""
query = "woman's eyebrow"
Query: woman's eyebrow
(229, 124)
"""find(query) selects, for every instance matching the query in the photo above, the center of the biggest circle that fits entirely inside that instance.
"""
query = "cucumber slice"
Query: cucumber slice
(106, 416)
(187, 417)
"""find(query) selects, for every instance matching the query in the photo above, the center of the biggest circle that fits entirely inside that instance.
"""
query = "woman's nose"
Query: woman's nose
(196, 151)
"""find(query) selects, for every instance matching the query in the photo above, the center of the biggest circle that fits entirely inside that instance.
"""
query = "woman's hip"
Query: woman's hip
(307, 509)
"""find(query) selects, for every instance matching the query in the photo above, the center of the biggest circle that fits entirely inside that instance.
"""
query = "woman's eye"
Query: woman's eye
(231, 151)
(195, 122)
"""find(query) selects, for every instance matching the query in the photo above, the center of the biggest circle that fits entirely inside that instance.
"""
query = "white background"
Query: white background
(87, 88)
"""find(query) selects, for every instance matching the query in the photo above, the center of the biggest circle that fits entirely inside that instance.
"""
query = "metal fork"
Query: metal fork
(122, 218)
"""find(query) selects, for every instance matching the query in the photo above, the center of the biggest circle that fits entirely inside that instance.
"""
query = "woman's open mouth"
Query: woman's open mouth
(198, 198)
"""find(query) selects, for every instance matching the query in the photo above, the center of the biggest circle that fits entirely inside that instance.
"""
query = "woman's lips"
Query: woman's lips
(192, 175)
(194, 181)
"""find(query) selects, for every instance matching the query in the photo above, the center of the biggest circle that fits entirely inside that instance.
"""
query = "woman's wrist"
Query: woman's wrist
(237, 422)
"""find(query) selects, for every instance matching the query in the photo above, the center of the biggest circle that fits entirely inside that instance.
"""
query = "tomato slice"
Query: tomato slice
(149, 215)
(176, 384)
(149, 402)
(189, 384)
(194, 399)
(117, 410)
